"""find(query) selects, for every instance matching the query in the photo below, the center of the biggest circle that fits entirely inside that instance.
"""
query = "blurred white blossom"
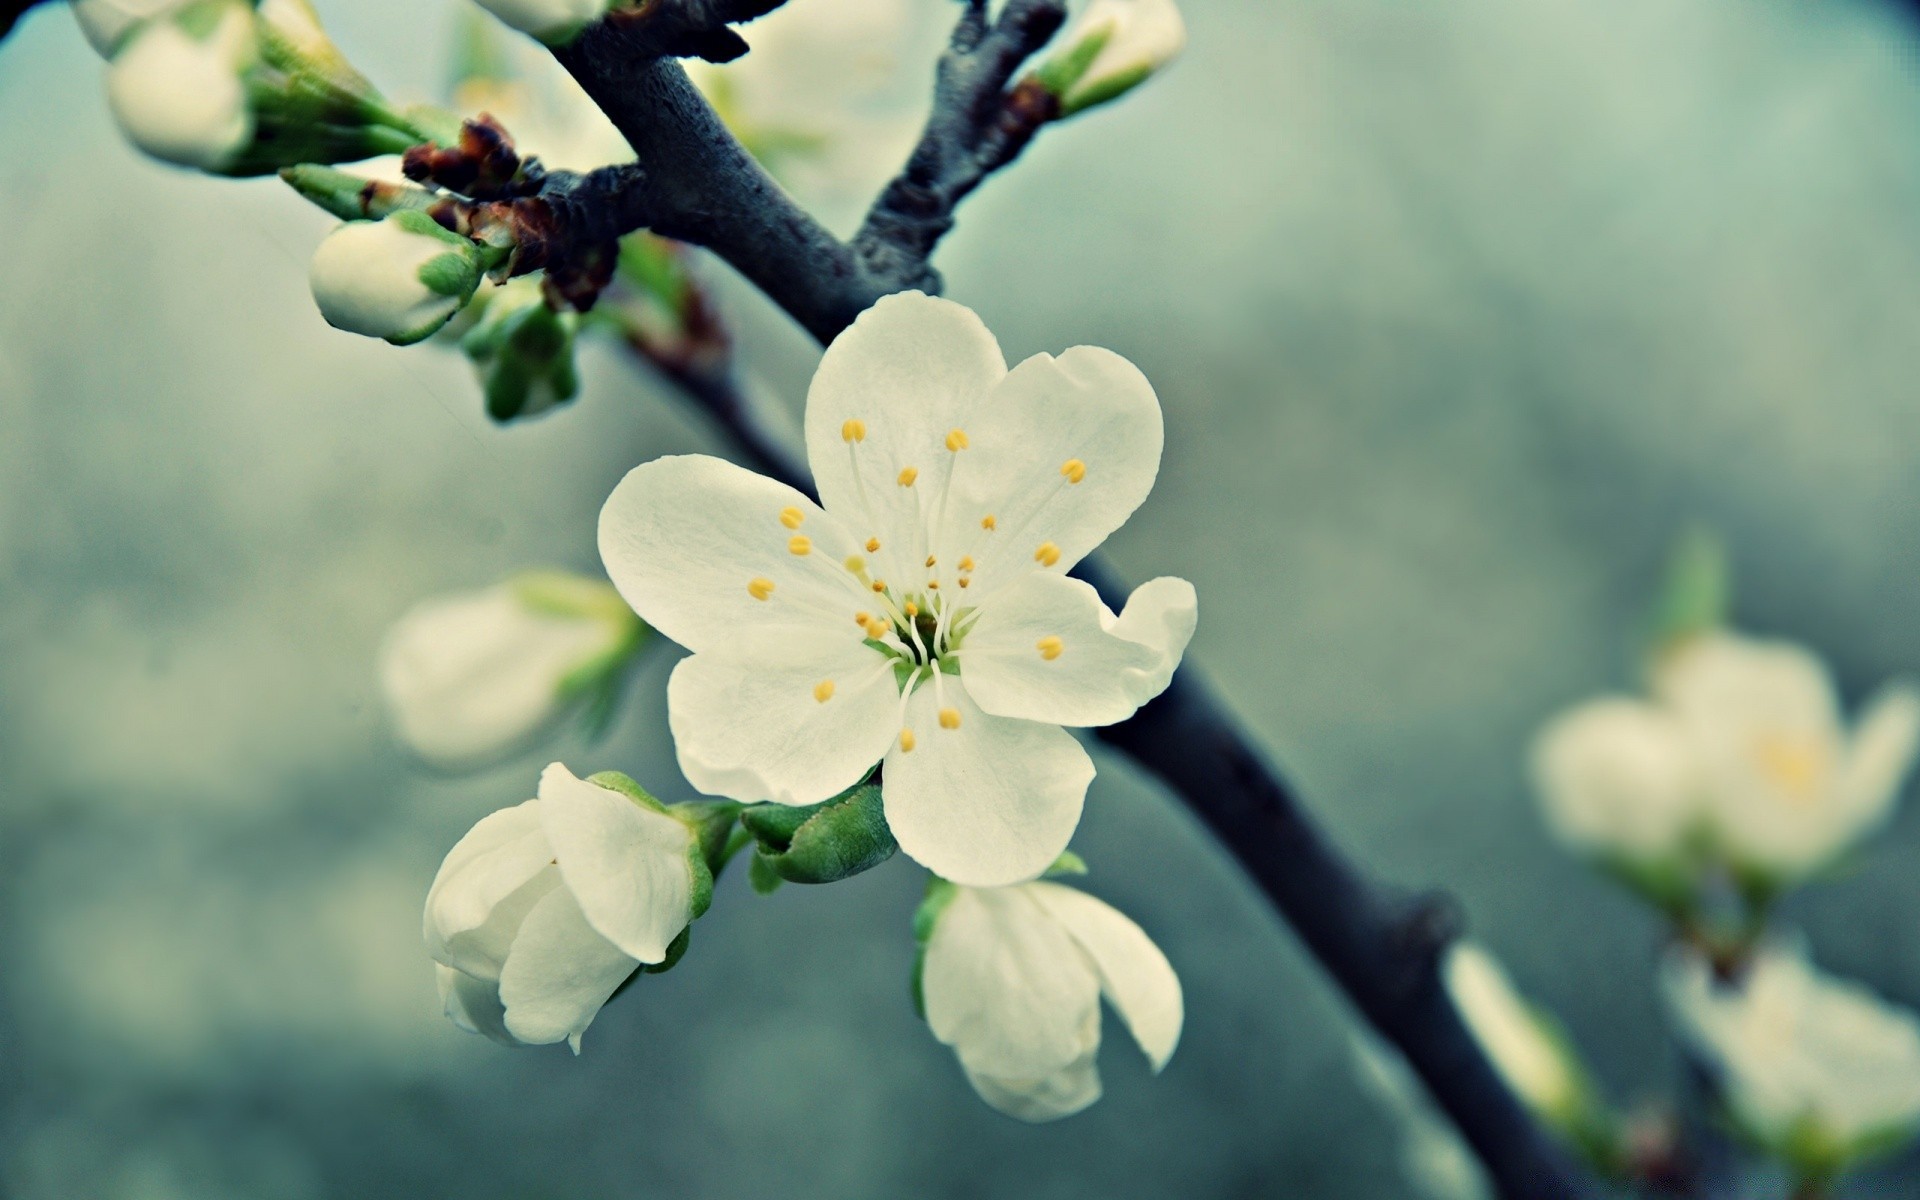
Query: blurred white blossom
(543, 909)
(472, 676)
(1742, 744)
(924, 615)
(1012, 980)
(1112, 47)
(1531, 1057)
(1819, 1070)
(177, 88)
(105, 22)
(554, 22)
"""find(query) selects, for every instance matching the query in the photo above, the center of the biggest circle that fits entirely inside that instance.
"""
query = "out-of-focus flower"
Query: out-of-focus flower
(474, 676)
(1012, 977)
(1111, 48)
(924, 614)
(1743, 748)
(1530, 1054)
(105, 22)
(400, 278)
(1818, 1070)
(544, 909)
(555, 22)
(177, 84)
(1787, 787)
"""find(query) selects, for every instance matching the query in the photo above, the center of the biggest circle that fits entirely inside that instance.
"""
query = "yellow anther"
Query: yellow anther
(1047, 555)
(876, 629)
(933, 585)
(1074, 470)
(879, 585)
(964, 581)
(949, 718)
(930, 560)
(1050, 647)
(908, 475)
(856, 564)
(957, 440)
(823, 691)
(966, 564)
(873, 545)
(910, 608)
(760, 589)
(853, 430)
(906, 741)
(987, 522)
(800, 544)
(791, 517)
(863, 619)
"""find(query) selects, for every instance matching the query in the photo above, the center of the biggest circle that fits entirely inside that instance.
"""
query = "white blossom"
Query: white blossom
(176, 85)
(1012, 980)
(1533, 1061)
(1112, 47)
(554, 22)
(400, 278)
(473, 676)
(105, 22)
(543, 909)
(1810, 1065)
(1742, 742)
(922, 616)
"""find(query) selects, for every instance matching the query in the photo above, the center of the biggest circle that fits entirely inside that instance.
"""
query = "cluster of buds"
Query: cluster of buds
(231, 89)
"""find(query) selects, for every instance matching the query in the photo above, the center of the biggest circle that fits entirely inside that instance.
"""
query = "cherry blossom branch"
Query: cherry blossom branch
(1381, 947)
(11, 11)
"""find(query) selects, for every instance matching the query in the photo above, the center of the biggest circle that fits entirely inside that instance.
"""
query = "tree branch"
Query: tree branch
(11, 11)
(1382, 948)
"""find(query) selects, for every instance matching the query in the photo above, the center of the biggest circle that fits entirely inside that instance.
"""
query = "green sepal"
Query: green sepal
(760, 873)
(353, 197)
(524, 352)
(940, 893)
(1695, 592)
(676, 950)
(1060, 73)
(822, 843)
(1068, 863)
(450, 274)
(1111, 88)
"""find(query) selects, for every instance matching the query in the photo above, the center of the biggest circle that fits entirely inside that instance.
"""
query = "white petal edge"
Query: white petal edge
(990, 803)
(1882, 750)
(1071, 1089)
(1134, 975)
(472, 1004)
(499, 855)
(559, 973)
(626, 865)
(1103, 667)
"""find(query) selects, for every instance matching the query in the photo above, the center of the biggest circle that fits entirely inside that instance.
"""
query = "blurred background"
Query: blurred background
(1458, 312)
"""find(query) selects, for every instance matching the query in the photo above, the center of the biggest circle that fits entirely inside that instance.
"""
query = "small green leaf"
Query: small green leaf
(762, 876)
(1068, 863)
(1695, 593)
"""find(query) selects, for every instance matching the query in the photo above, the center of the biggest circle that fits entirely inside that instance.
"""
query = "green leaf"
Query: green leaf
(1060, 73)
(826, 842)
(1695, 590)
(762, 876)
(1068, 863)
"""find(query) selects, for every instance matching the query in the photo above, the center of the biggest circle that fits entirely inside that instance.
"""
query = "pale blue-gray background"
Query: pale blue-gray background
(1458, 312)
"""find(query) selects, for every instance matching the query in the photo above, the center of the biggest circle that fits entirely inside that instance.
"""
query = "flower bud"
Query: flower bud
(523, 350)
(177, 84)
(821, 843)
(555, 22)
(400, 278)
(544, 910)
(1112, 48)
(105, 22)
(1525, 1044)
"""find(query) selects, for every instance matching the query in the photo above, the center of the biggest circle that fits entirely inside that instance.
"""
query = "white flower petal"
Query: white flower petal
(694, 542)
(909, 370)
(179, 97)
(1088, 415)
(626, 865)
(1135, 976)
(559, 973)
(1046, 1098)
(989, 803)
(1882, 752)
(490, 878)
(1617, 776)
(472, 1004)
(752, 730)
(1007, 987)
(473, 676)
(1506, 1028)
(1047, 649)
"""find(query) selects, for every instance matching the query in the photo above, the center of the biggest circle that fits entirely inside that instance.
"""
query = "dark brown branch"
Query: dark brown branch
(11, 11)
(1380, 947)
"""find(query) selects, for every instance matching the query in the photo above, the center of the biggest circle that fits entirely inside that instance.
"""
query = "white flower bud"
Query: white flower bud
(554, 22)
(1817, 1069)
(542, 910)
(1618, 781)
(105, 22)
(472, 677)
(400, 278)
(1112, 48)
(177, 88)
(1534, 1062)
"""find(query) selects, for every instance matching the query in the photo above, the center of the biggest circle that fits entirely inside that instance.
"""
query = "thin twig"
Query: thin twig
(1382, 948)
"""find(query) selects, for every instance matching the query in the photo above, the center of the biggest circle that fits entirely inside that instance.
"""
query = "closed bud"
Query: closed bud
(472, 677)
(555, 22)
(105, 22)
(1113, 47)
(522, 348)
(177, 84)
(400, 278)
(820, 843)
